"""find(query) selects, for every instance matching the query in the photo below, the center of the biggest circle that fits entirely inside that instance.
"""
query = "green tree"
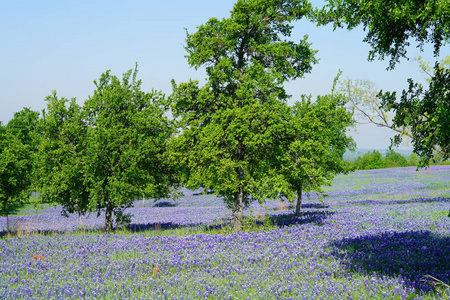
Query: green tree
(127, 138)
(230, 125)
(14, 174)
(23, 125)
(313, 152)
(59, 166)
(370, 160)
(393, 159)
(413, 160)
(108, 153)
(391, 25)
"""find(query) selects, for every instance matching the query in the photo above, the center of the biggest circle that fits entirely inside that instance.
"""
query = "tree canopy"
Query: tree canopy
(231, 124)
(104, 155)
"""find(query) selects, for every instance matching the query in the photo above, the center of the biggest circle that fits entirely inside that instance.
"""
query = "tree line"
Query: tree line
(375, 160)
(236, 134)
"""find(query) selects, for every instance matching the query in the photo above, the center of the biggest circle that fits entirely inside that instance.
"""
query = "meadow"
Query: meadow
(374, 235)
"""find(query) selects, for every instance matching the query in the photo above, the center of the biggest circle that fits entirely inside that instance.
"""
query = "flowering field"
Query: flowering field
(374, 236)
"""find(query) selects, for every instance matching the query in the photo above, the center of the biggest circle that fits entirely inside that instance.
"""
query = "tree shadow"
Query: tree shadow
(406, 255)
(315, 205)
(165, 204)
(133, 227)
(290, 218)
(400, 201)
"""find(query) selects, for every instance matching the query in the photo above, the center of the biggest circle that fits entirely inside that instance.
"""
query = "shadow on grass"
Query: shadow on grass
(280, 220)
(290, 218)
(153, 226)
(408, 255)
(400, 201)
(165, 204)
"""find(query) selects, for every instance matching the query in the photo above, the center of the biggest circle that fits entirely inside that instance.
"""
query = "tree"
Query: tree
(60, 166)
(14, 174)
(391, 25)
(16, 148)
(108, 153)
(231, 124)
(370, 160)
(313, 152)
(127, 136)
(393, 159)
(23, 125)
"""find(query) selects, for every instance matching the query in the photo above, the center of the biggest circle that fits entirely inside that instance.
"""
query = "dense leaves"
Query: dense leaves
(14, 173)
(313, 148)
(106, 154)
(127, 135)
(60, 162)
(16, 148)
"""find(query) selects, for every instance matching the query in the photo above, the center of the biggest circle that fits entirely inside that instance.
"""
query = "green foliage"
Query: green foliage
(370, 160)
(312, 149)
(104, 155)
(231, 124)
(16, 161)
(59, 171)
(390, 25)
(413, 159)
(426, 112)
(14, 173)
(23, 125)
(374, 160)
(393, 159)
(126, 140)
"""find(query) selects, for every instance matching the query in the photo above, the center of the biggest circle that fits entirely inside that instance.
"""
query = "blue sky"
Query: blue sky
(65, 45)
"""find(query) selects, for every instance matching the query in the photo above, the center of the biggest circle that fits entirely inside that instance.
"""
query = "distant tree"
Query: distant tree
(313, 152)
(393, 159)
(14, 174)
(413, 159)
(391, 25)
(370, 160)
(230, 125)
(106, 154)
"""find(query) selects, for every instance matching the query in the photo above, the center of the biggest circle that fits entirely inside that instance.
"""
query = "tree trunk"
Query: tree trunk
(298, 207)
(238, 210)
(109, 218)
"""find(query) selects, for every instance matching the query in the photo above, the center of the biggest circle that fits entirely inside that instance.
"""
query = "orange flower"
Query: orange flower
(37, 256)
(156, 271)
(335, 225)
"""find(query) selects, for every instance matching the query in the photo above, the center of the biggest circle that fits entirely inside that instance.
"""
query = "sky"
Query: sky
(65, 45)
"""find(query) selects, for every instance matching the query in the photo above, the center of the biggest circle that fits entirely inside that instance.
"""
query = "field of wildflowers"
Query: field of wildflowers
(374, 236)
